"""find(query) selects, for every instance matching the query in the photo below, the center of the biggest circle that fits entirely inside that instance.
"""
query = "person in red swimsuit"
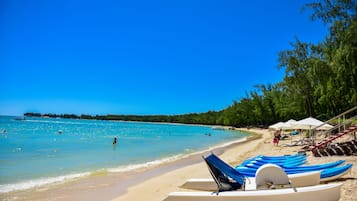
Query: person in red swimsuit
(276, 139)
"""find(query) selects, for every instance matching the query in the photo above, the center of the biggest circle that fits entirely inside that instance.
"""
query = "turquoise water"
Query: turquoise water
(40, 151)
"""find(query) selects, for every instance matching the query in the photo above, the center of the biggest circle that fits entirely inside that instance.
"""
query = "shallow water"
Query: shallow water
(39, 151)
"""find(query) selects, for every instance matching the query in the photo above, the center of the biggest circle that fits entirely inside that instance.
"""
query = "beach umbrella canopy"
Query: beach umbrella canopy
(289, 124)
(310, 123)
(277, 126)
(325, 127)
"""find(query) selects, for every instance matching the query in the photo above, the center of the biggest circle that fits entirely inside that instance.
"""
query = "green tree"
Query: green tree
(298, 77)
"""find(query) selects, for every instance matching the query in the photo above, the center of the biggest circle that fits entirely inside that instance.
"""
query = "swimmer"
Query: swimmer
(115, 140)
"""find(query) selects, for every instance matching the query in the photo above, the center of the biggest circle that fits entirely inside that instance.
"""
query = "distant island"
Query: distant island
(209, 118)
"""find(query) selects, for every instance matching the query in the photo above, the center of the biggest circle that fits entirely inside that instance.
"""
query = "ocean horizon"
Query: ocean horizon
(40, 151)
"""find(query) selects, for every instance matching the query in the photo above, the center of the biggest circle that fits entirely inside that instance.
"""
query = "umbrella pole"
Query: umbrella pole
(309, 135)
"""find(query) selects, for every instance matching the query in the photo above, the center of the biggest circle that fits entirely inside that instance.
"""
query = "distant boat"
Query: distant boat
(20, 118)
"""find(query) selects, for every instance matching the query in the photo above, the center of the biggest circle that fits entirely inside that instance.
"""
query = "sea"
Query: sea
(35, 152)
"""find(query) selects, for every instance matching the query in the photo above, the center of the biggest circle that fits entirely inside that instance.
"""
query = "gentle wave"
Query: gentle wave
(170, 159)
(147, 164)
(5, 188)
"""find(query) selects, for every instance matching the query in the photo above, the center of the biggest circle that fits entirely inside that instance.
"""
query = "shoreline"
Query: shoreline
(115, 182)
(40, 179)
(157, 188)
(155, 183)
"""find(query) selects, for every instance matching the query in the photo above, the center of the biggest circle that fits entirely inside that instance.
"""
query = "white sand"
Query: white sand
(156, 189)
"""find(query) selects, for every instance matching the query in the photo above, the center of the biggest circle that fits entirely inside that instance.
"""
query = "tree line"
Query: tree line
(320, 79)
(209, 118)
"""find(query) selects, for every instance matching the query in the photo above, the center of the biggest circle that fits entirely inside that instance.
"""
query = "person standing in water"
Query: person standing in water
(115, 141)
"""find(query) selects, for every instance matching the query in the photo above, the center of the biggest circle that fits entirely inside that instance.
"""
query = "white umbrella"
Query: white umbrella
(277, 126)
(325, 127)
(310, 123)
(289, 124)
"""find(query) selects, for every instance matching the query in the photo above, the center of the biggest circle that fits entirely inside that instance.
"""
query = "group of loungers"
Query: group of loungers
(340, 149)
(265, 178)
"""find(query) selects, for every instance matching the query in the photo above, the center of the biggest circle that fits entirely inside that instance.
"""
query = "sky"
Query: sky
(143, 57)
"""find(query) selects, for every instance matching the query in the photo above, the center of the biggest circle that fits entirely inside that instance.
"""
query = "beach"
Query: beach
(157, 188)
(154, 183)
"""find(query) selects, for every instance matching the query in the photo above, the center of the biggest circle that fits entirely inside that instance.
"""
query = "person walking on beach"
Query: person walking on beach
(276, 139)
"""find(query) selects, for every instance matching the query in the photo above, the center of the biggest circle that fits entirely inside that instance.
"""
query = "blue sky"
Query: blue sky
(142, 57)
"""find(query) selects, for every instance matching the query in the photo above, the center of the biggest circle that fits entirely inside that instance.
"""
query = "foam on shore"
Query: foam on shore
(171, 158)
(5, 188)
